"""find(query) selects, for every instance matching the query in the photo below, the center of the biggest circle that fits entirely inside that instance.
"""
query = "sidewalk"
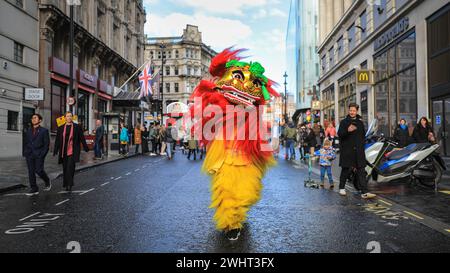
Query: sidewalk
(14, 171)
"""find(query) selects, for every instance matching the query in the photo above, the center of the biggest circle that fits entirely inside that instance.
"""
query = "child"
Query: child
(327, 155)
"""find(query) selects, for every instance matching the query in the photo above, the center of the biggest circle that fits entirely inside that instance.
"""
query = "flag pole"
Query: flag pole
(134, 74)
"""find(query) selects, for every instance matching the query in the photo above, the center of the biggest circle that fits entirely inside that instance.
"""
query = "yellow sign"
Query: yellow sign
(62, 120)
(364, 77)
(316, 105)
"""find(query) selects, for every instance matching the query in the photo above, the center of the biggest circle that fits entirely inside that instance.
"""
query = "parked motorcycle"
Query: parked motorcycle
(417, 162)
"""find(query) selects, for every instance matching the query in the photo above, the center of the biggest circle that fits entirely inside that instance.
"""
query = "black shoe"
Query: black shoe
(234, 234)
(33, 192)
(48, 187)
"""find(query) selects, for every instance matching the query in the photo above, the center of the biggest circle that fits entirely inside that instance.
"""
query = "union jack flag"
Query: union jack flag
(145, 79)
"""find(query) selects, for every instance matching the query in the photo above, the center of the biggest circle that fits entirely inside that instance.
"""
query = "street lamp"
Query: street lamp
(285, 97)
(72, 3)
(162, 46)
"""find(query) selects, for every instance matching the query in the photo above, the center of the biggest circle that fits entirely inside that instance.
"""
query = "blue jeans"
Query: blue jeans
(98, 149)
(169, 148)
(326, 169)
(290, 148)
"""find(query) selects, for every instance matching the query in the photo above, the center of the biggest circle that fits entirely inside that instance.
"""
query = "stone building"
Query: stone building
(108, 49)
(186, 62)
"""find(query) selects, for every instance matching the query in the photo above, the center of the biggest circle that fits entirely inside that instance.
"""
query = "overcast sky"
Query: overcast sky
(258, 25)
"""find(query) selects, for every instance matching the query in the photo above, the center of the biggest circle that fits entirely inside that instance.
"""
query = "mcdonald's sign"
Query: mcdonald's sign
(364, 77)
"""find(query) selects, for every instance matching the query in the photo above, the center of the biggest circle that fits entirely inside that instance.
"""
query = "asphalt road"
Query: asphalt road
(150, 205)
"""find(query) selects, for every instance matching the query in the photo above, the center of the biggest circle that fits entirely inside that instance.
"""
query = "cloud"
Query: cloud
(277, 12)
(262, 13)
(217, 32)
(233, 7)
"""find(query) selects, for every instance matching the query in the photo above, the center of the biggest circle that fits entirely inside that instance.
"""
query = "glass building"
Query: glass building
(301, 54)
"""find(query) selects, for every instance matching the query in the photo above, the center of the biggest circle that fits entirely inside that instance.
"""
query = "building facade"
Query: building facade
(19, 66)
(186, 62)
(390, 57)
(302, 60)
(108, 49)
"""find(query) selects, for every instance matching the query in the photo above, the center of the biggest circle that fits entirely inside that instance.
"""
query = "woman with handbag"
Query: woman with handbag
(423, 132)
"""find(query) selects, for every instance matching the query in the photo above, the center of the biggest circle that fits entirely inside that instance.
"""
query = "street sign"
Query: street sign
(364, 77)
(34, 94)
(438, 120)
(70, 101)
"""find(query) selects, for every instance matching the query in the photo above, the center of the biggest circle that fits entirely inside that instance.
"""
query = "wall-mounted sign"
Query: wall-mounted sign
(70, 101)
(316, 105)
(364, 77)
(34, 94)
(399, 28)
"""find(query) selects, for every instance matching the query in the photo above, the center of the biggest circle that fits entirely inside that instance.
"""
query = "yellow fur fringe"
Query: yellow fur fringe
(235, 184)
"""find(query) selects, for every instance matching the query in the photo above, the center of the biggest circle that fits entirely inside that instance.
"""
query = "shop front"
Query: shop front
(87, 85)
(439, 75)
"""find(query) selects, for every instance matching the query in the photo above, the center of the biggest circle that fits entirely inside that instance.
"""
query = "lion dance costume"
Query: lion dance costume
(236, 165)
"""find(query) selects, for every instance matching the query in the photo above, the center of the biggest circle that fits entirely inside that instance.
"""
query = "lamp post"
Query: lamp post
(285, 97)
(72, 3)
(162, 46)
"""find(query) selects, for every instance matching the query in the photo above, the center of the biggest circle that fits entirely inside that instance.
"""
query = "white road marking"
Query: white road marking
(387, 203)
(137, 170)
(118, 178)
(87, 191)
(14, 194)
(62, 202)
(127, 174)
(104, 184)
(62, 192)
(29, 216)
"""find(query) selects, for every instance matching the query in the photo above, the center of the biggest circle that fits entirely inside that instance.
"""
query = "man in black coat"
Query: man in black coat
(37, 142)
(353, 158)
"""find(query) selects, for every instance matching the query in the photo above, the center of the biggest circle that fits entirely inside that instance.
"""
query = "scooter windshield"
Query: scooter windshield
(373, 127)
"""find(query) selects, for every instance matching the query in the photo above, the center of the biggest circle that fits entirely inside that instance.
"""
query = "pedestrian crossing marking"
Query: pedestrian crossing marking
(387, 203)
(412, 214)
(446, 192)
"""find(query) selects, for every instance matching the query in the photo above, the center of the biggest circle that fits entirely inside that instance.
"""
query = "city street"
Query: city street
(150, 204)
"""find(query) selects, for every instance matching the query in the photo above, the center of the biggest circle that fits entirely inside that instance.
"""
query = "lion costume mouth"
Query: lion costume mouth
(238, 97)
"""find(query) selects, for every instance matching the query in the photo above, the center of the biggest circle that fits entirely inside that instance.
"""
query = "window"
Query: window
(151, 54)
(324, 64)
(176, 70)
(58, 103)
(83, 110)
(363, 25)
(102, 106)
(395, 87)
(380, 13)
(167, 70)
(18, 52)
(177, 54)
(159, 55)
(168, 87)
(19, 3)
(340, 49)
(347, 94)
(169, 54)
(176, 87)
(351, 37)
(188, 70)
(328, 103)
(13, 121)
(331, 54)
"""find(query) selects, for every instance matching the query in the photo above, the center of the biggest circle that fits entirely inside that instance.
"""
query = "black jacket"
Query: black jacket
(37, 146)
(78, 140)
(352, 144)
(310, 138)
(420, 134)
(402, 137)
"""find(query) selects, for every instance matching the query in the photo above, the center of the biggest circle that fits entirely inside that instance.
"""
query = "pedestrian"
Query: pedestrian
(301, 135)
(137, 137)
(145, 138)
(310, 140)
(193, 146)
(124, 139)
(99, 135)
(327, 155)
(290, 135)
(423, 132)
(162, 136)
(330, 133)
(68, 142)
(401, 134)
(321, 135)
(202, 148)
(37, 142)
(275, 140)
(353, 158)
(170, 137)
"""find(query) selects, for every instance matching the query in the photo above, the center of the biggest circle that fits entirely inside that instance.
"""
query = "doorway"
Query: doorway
(441, 124)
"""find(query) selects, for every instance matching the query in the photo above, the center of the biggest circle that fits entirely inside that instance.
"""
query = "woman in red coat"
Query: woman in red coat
(69, 139)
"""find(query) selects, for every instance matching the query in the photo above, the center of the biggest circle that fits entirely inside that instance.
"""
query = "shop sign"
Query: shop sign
(399, 28)
(34, 94)
(364, 77)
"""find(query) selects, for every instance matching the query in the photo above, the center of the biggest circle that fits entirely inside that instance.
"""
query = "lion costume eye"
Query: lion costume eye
(257, 83)
(238, 75)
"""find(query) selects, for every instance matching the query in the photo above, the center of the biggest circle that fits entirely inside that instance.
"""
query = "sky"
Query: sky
(257, 25)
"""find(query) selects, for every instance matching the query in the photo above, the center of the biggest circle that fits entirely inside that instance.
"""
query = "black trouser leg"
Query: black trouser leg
(39, 163)
(68, 171)
(345, 173)
(195, 154)
(189, 154)
(32, 173)
(360, 180)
